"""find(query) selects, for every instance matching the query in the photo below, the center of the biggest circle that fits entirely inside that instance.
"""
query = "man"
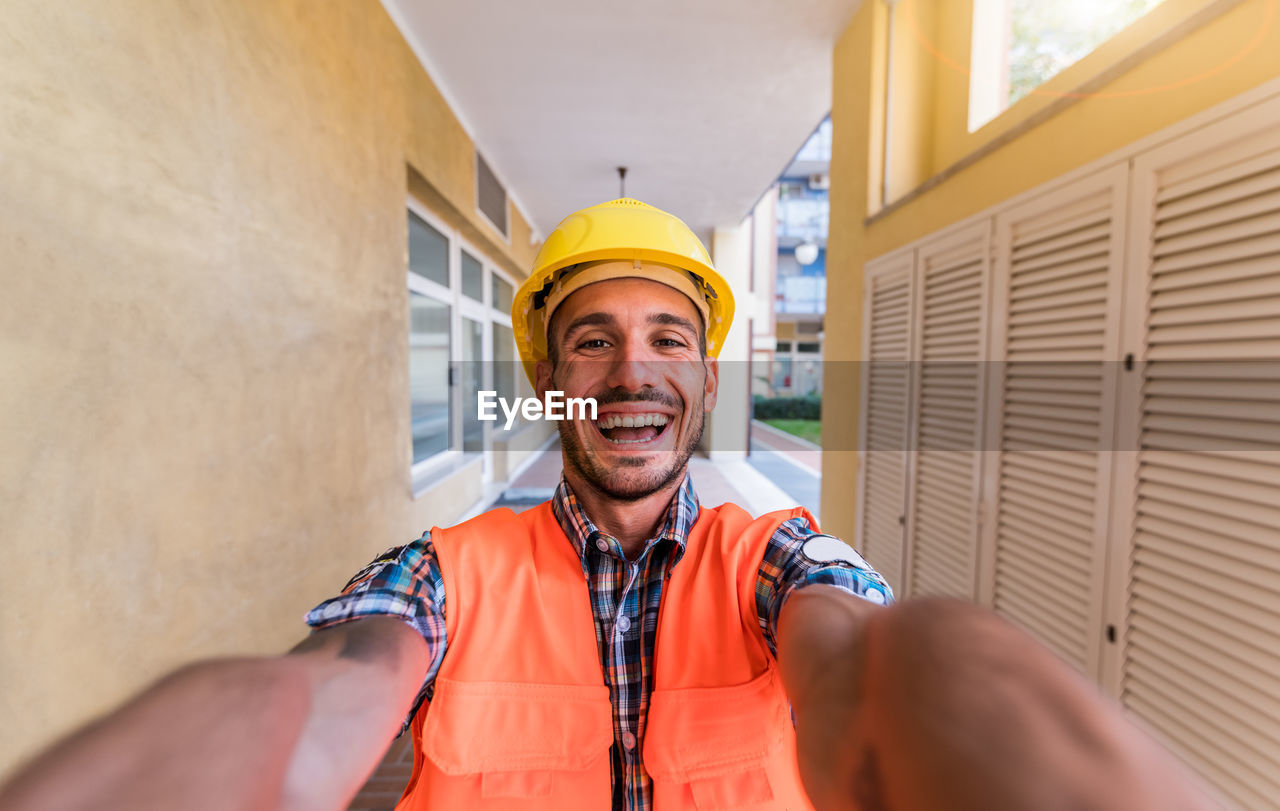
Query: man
(622, 646)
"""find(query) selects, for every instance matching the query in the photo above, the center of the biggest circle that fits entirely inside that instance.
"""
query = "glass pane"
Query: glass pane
(781, 373)
(502, 293)
(1049, 35)
(428, 251)
(428, 375)
(784, 346)
(807, 378)
(472, 277)
(505, 366)
(472, 382)
(808, 347)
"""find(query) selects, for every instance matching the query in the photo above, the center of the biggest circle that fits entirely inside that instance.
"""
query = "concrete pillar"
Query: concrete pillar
(764, 272)
(727, 427)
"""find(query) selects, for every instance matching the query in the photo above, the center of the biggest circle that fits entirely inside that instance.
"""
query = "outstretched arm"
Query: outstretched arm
(297, 731)
(938, 704)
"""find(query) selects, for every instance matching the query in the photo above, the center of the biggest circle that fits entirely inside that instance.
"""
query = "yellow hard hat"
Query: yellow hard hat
(620, 238)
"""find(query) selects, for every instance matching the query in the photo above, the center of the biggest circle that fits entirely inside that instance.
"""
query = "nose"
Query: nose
(633, 368)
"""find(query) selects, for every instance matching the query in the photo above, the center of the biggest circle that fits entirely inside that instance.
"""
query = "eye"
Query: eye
(670, 342)
(594, 343)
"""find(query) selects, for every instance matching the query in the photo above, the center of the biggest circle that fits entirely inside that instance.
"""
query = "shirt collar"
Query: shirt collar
(581, 530)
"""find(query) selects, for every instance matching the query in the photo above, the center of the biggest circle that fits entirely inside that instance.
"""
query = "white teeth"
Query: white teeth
(631, 421)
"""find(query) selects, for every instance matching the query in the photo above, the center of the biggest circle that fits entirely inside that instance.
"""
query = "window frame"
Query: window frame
(422, 469)
(794, 356)
(460, 306)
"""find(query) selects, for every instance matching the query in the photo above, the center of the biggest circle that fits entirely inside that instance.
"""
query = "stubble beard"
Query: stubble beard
(620, 480)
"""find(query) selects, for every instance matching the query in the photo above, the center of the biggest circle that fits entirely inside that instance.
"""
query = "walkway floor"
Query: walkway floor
(777, 474)
(791, 463)
(798, 450)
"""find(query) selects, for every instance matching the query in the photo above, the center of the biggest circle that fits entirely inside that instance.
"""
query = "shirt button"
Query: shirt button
(624, 624)
(628, 741)
(602, 544)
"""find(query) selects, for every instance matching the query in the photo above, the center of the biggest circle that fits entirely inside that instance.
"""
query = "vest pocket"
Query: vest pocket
(516, 737)
(712, 745)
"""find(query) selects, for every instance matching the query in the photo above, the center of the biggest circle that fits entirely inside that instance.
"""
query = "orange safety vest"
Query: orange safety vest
(521, 717)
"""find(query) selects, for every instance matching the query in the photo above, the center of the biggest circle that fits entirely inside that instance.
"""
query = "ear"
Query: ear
(542, 378)
(712, 384)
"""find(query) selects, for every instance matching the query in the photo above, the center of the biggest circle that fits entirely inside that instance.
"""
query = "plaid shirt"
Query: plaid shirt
(406, 582)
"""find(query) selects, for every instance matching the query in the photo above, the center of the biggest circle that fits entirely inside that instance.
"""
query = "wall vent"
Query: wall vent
(491, 197)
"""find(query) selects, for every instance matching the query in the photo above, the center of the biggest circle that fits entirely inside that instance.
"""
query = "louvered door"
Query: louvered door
(1057, 276)
(886, 384)
(951, 279)
(1201, 655)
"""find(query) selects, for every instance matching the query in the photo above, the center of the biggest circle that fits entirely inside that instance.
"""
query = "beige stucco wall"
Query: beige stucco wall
(203, 417)
(1187, 56)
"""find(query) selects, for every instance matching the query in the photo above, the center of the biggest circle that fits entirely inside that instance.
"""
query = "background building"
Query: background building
(794, 359)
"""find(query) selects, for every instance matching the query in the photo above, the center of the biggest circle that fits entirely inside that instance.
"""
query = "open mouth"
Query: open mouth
(632, 429)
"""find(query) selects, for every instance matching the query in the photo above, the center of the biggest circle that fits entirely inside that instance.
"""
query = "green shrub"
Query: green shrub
(788, 408)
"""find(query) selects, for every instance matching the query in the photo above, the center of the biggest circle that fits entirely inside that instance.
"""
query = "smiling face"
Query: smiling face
(635, 346)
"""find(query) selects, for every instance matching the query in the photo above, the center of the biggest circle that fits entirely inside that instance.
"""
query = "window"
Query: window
(507, 371)
(506, 368)
(503, 294)
(428, 375)
(472, 277)
(1019, 45)
(428, 251)
(1048, 35)
(781, 372)
(472, 384)
(460, 343)
(796, 369)
(804, 212)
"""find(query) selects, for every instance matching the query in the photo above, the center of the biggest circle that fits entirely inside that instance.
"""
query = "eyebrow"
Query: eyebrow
(588, 320)
(673, 321)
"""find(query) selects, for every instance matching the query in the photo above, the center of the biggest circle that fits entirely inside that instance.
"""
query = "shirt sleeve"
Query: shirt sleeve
(786, 567)
(404, 582)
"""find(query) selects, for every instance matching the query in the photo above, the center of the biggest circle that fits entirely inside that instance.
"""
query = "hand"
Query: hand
(950, 706)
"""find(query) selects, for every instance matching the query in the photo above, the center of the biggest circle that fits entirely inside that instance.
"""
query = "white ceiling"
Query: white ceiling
(705, 101)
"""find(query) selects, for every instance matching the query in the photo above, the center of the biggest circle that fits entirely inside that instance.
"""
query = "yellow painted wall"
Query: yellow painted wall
(911, 102)
(204, 408)
(1233, 49)
(856, 127)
